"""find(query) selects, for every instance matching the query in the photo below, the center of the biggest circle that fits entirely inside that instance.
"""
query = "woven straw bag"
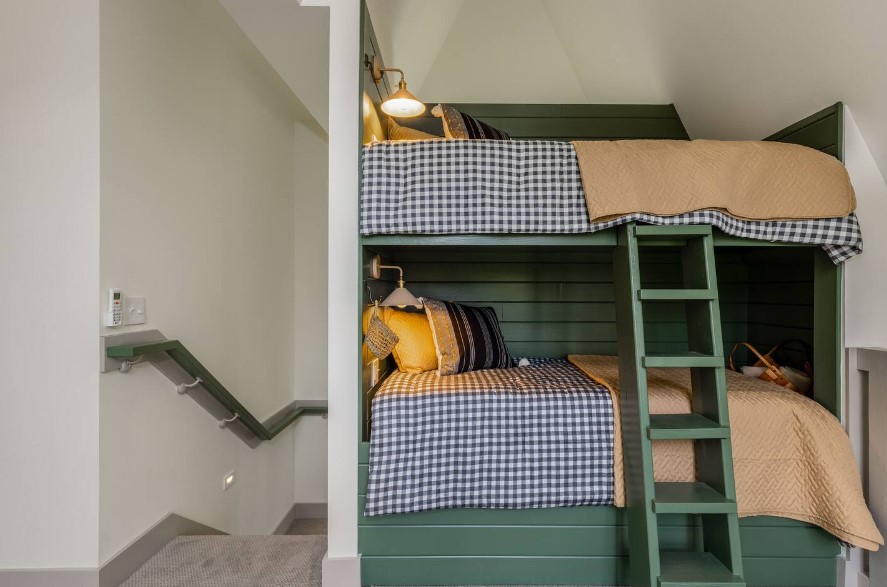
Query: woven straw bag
(380, 339)
(772, 371)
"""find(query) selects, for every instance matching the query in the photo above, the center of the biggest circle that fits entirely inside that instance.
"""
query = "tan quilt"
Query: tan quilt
(753, 180)
(791, 457)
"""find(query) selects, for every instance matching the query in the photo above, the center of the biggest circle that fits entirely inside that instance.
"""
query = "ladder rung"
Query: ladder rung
(690, 498)
(649, 295)
(685, 427)
(679, 360)
(683, 231)
(684, 569)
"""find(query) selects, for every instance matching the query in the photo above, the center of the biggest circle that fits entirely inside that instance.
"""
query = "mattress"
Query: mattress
(530, 187)
(526, 437)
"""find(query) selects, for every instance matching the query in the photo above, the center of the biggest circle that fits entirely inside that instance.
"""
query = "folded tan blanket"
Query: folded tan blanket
(791, 457)
(753, 180)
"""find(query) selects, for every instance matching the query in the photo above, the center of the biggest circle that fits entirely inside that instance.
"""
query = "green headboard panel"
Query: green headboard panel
(823, 131)
(566, 122)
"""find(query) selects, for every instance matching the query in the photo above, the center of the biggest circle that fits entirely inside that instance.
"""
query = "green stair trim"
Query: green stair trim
(694, 569)
(671, 295)
(181, 355)
(690, 498)
(685, 427)
(683, 360)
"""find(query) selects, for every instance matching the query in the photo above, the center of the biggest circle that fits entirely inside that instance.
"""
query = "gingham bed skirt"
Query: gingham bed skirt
(529, 187)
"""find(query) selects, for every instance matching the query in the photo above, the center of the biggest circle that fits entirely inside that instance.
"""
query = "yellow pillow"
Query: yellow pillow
(396, 132)
(415, 352)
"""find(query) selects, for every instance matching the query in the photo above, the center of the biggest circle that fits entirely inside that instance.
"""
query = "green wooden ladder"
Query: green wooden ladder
(716, 560)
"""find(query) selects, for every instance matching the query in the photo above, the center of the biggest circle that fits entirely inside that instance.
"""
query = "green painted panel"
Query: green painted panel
(823, 130)
(828, 344)
(568, 121)
(795, 572)
(759, 572)
(493, 570)
(576, 540)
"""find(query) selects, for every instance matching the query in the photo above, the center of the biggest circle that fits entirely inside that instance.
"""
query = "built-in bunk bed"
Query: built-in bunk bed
(555, 296)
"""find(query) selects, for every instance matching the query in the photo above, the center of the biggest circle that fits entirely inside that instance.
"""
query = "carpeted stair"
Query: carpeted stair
(234, 561)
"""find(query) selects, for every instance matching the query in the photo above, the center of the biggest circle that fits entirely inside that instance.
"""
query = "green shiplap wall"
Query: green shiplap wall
(823, 131)
(780, 301)
(567, 122)
(555, 302)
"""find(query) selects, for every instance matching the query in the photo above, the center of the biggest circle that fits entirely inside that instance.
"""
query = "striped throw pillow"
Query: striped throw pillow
(458, 125)
(466, 338)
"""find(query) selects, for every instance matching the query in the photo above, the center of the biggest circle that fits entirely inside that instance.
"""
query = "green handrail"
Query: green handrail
(178, 353)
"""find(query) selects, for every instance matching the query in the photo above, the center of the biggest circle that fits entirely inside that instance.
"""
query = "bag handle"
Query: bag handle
(760, 357)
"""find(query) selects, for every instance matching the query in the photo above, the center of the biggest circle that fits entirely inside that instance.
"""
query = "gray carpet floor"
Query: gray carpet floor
(234, 561)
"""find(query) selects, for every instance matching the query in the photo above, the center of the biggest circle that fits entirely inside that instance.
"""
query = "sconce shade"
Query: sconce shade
(402, 103)
(401, 297)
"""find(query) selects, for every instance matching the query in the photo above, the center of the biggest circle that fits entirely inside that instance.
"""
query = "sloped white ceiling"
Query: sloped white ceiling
(411, 34)
(295, 41)
(733, 69)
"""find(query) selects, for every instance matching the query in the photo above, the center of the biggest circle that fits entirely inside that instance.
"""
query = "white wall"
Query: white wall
(49, 267)
(865, 280)
(310, 315)
(200, 212)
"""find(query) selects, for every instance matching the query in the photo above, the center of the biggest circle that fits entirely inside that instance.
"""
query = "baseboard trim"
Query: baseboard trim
(300, 511)
(341, 571)
(49, 577)
(287, 521)
(127, 561)
(310, 510)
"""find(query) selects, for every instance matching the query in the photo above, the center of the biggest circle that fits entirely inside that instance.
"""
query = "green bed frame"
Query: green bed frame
(554, 295)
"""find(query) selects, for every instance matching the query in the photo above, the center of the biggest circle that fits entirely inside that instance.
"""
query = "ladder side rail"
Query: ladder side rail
(643, 533)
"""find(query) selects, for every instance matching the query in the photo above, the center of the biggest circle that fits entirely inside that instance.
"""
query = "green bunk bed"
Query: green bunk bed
(556, 295)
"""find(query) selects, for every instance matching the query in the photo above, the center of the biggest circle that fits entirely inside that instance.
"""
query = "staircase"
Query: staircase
(717, 559)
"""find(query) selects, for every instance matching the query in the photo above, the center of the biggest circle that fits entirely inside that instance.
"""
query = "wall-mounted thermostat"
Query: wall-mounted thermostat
(114, 316)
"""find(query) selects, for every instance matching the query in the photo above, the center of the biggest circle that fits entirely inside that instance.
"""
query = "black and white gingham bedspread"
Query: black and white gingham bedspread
(495, 187)
(526, 437)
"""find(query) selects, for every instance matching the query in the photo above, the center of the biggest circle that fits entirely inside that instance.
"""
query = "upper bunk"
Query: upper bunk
(427, 206)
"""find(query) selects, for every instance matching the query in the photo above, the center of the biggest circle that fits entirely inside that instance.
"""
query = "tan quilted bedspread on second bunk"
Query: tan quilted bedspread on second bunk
(752, 180)
(791, 457)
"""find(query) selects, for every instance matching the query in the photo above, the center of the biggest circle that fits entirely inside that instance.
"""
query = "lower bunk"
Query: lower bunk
(556, 299)
(453, 442)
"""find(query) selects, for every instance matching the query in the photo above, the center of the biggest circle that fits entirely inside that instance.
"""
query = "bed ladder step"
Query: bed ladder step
(683, 360)
(690, 498)
(685, 427)
(691, 569)
(676, 295)
(716, 559)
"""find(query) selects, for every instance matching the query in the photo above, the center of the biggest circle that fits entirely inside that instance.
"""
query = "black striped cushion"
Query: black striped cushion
(459, 125)
(466, 338)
